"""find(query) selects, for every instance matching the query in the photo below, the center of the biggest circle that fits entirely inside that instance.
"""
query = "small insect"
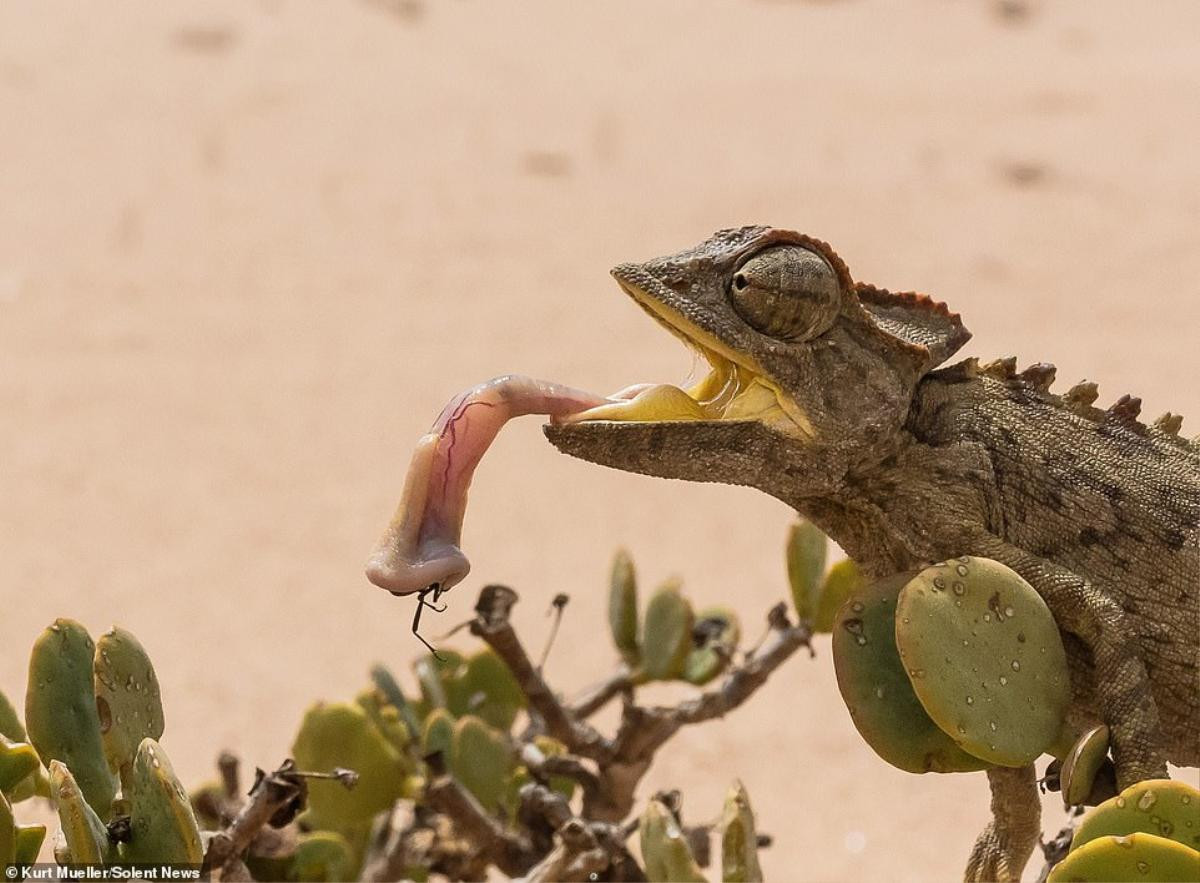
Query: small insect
(436, 589)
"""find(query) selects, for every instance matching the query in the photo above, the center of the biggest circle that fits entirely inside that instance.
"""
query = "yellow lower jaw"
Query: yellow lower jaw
(657, 404)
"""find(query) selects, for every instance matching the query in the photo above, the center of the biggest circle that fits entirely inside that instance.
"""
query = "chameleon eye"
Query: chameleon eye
(787, 292)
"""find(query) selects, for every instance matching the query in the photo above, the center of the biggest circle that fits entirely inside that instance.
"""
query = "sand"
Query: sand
(248, 250)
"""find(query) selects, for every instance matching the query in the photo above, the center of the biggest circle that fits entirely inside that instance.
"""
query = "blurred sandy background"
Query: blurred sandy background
(247, 251)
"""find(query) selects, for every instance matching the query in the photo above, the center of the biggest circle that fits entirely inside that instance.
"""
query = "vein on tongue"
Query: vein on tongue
(420, 547)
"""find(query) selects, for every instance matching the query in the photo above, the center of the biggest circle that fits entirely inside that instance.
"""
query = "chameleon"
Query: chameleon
(836, 397)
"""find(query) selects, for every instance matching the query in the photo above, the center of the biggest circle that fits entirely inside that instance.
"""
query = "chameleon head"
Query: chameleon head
(800, 357)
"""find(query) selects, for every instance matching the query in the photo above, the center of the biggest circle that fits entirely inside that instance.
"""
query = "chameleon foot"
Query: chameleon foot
(1005, 845)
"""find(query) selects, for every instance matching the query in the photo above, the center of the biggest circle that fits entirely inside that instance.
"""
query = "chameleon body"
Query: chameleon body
(829, 395)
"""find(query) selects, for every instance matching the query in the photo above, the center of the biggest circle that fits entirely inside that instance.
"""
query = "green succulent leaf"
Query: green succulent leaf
(60, 710)
(482, 760)
(665, 850)
(739, 842)
(666, 634)
(386, 718)
(341, 735)
(18, 764)
(490, 691)
(128, 699)
(623, 607)
(10, 721)
(1138, 856)
(433, 673)
(8, 833)
(389, 688)
(1162, 807)
(985, 658)
(843, 580)
(322, 856)
(715, 636)
(438, 734)
(1082, 764)
(85, 835)
(878, 692)
(163, 825)
(29, 839)
(806, 548)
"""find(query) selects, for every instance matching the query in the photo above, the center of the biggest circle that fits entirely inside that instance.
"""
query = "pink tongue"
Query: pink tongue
(419, 549)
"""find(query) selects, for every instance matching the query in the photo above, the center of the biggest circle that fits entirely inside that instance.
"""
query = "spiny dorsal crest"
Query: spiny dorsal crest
(1169, 423)
(1081, 397)
(1039, 375)
(1125, 410)
(1001, 369)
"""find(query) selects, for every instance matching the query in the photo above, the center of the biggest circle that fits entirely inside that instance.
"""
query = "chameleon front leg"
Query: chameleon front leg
(1004, 847)
(1122, 684)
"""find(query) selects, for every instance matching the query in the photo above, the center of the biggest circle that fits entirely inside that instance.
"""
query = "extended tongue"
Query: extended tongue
(419, 548)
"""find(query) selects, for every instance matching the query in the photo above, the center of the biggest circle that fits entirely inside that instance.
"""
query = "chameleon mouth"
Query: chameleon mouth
(733, 390)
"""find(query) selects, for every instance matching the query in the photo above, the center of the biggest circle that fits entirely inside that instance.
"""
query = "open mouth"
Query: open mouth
(732, 390)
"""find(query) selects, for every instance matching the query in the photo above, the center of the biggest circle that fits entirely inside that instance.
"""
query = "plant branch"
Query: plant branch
(598, 695)
(512, 853)
(584, 849)
(1056, 850)
(648, 728)
(274, 800)
(492, 624)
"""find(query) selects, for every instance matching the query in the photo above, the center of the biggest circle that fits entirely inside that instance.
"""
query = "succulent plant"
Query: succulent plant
(85, 835)
(985, 658)
(96, 709)
(739, 842)
(623, 607)
(163, 826)
(487, 689)
(18, 764)
(432, 674)
(1082, 767)
(438, 734)
(389, 690)
(386, 718)
(1162, 807)
(342, 735)
(842, 580)
(877, 690)
(322, 856)
(29, 839)
(481, 759)
(715, 636)
(10, 721)
(1136, 856)
(128, 700)
(666, 633)
(665, 850)
(13, 756)
(8, 832)
(806, 548)
(60, 711)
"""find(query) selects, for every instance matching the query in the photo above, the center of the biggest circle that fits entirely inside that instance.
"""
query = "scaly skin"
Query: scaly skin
(844, 418)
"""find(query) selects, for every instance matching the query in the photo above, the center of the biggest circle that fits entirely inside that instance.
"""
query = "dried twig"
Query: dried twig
(598, 695)
(584, 849)
(644, 730)
(542, 766)
(512, 853)
(388, 856)
(1056, 850)
(491, 623)
(550, 841)
(274, 800)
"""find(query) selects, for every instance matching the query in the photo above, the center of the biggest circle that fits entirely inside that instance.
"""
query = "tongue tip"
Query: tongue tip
(444, 570)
